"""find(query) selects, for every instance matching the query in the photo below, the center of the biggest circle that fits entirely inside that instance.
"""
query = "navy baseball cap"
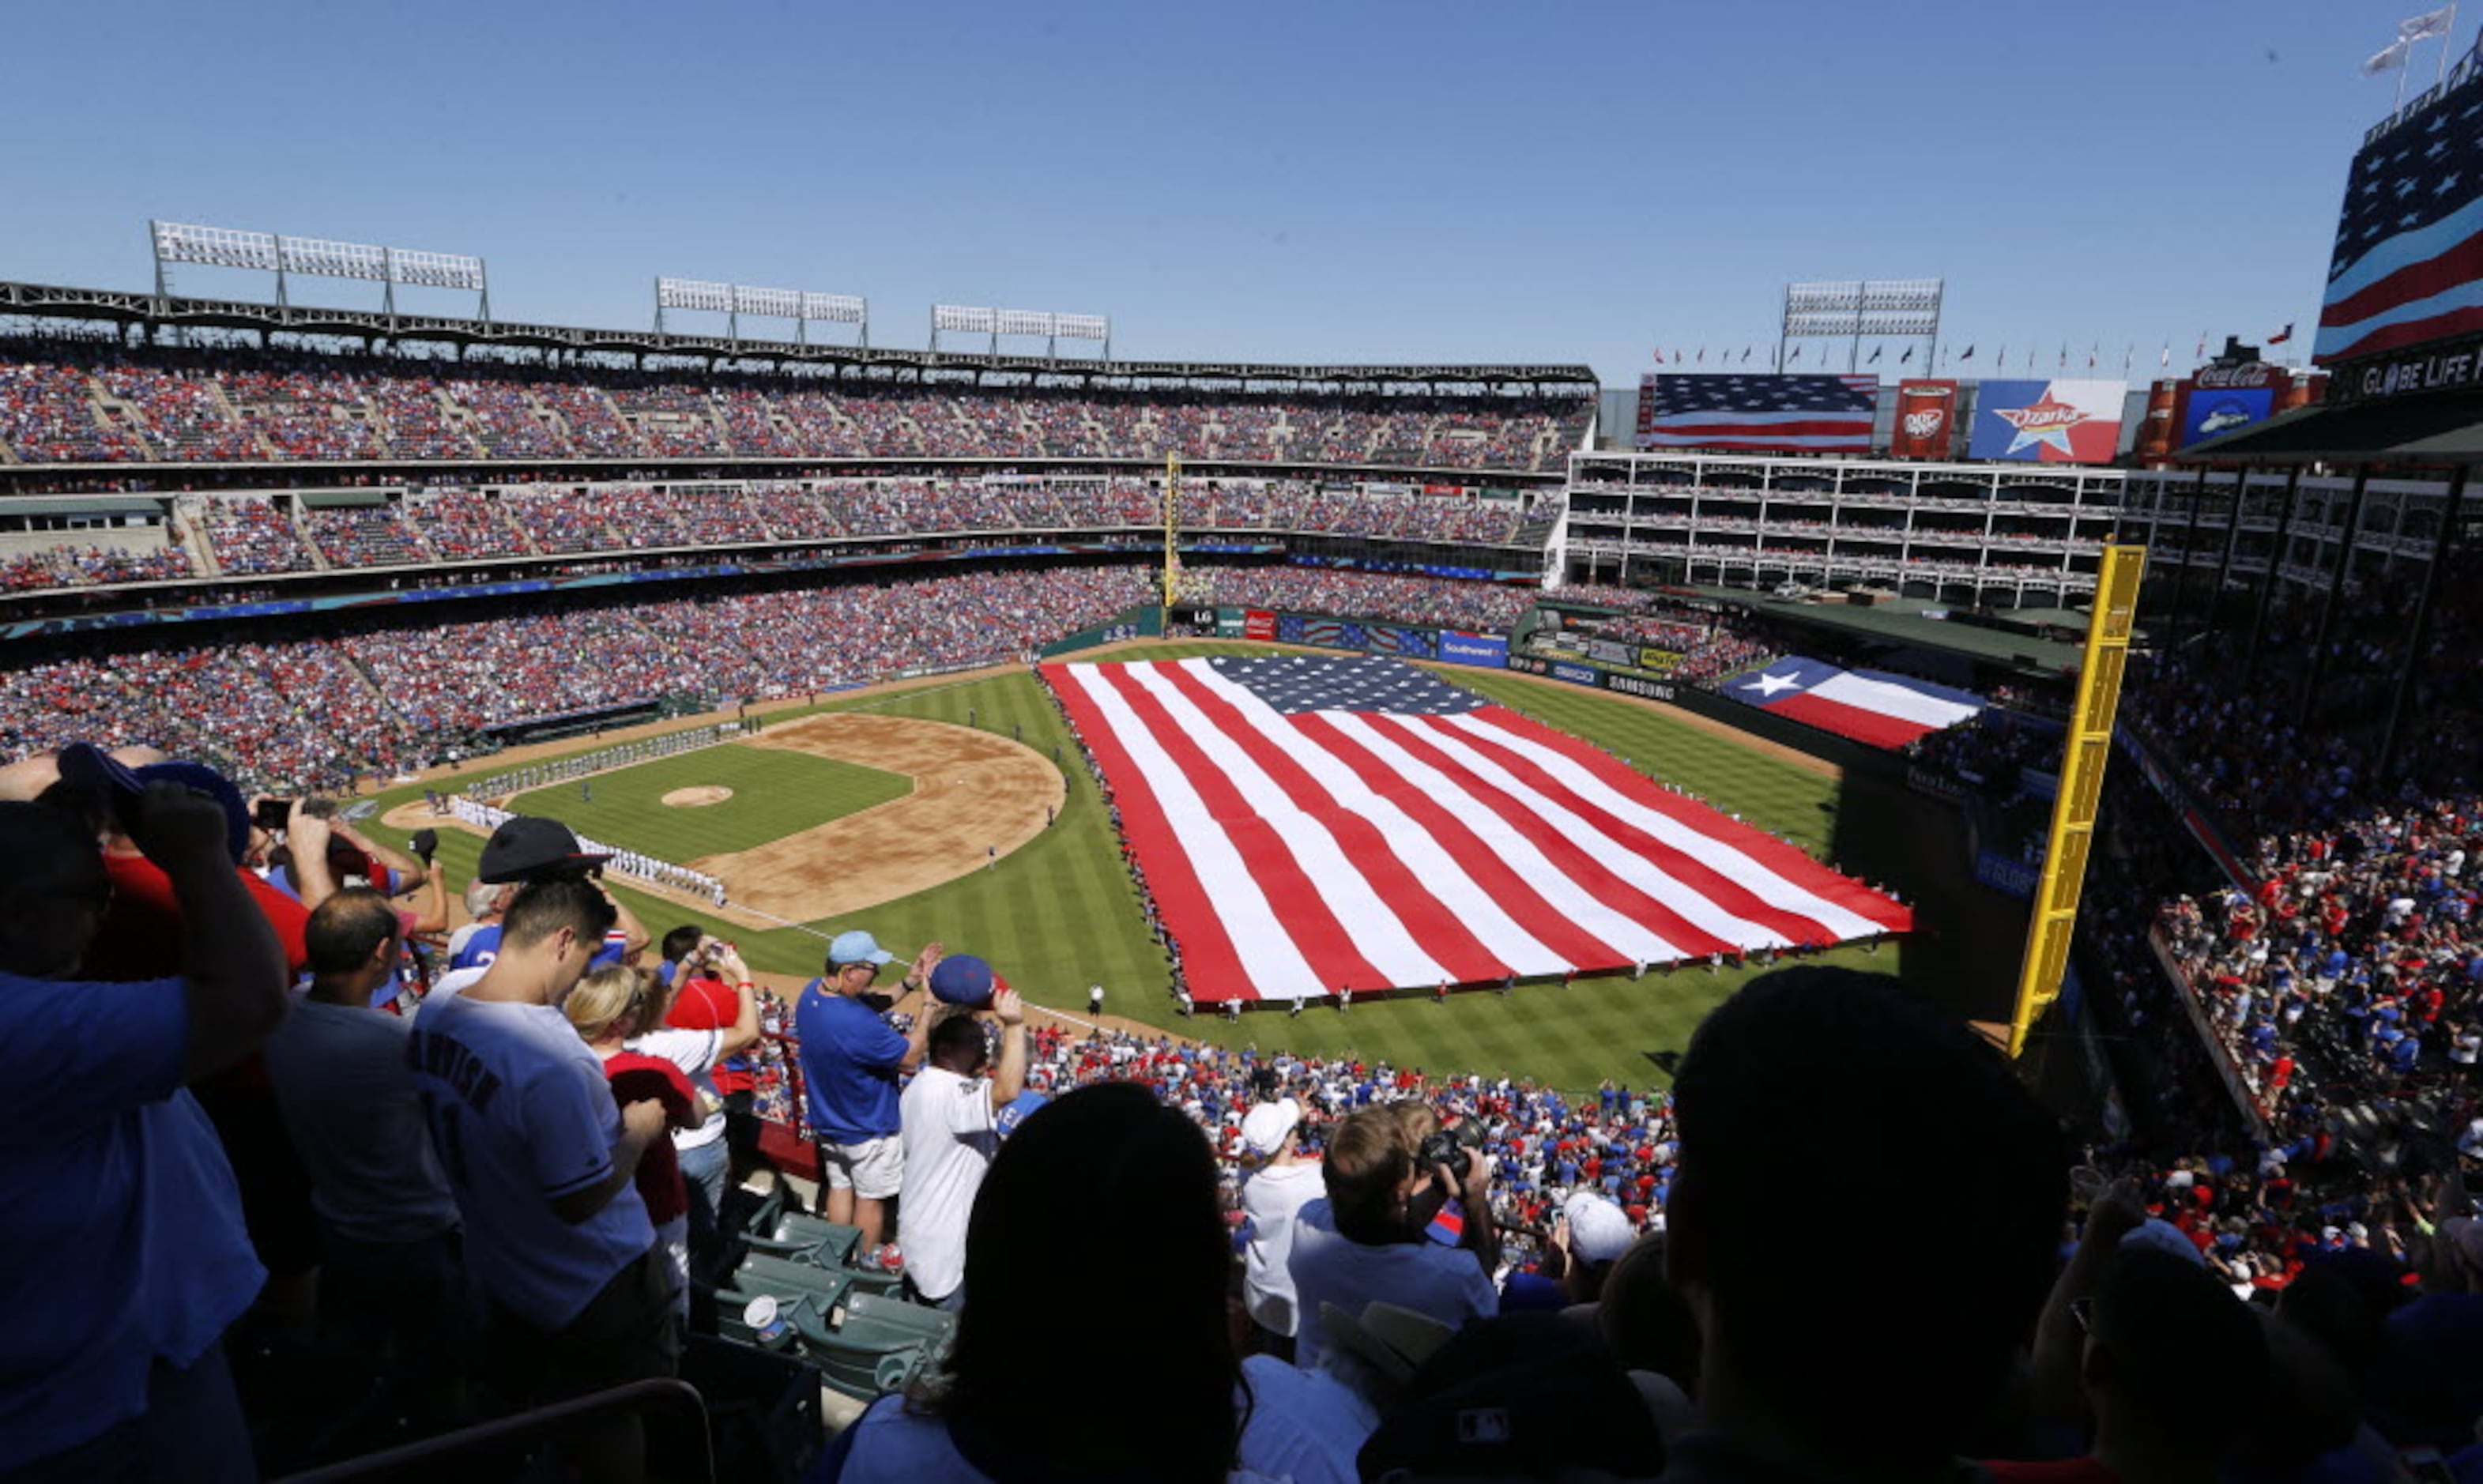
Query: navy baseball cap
(963, 979)
(116, 784)
(527, 847)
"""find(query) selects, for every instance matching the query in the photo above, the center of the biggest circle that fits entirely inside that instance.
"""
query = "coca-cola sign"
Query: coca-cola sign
(2251, 372)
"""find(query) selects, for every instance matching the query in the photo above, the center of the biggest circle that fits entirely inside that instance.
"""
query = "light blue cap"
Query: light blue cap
(857, 948)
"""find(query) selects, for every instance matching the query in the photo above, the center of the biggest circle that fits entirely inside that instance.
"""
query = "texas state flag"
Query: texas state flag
(1869, 705)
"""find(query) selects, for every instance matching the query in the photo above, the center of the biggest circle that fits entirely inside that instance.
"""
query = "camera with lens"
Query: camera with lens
(1447, 1146)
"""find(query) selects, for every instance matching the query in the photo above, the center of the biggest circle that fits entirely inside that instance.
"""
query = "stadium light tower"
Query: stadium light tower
(733, 301)
(965, 320)
(1857, 309)
(1040, 324)
(314, 258)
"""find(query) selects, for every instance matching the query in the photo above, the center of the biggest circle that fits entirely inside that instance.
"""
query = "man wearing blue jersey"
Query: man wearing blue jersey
(852, 1060)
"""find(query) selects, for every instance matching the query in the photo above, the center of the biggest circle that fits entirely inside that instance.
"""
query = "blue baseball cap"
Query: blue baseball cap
(857, 948)
(963, 979)
(117, 784)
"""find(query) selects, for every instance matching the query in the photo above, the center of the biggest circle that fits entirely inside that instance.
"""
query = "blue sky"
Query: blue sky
(1278, 181)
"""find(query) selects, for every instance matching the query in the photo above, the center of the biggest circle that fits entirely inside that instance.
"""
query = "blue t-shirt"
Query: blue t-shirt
(483, 945)
(850, 1061)
(126, 1239)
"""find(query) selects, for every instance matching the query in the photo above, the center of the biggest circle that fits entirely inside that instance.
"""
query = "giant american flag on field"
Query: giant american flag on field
(1759, 411)
(2408, 265)
(1307, 824)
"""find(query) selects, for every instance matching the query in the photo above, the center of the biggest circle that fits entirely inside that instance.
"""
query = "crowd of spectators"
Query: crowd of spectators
(258, 535)
(1445, 602)
(2278, 1301)
(79, 403)
(317, 711)
(250, 538)
(79, 564)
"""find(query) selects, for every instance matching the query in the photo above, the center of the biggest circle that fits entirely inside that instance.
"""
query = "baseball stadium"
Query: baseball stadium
(735, 900)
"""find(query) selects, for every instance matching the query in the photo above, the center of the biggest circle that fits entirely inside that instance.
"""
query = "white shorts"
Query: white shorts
(873, 1168)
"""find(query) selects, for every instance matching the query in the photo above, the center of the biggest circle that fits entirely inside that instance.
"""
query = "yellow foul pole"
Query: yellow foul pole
(2083, 760)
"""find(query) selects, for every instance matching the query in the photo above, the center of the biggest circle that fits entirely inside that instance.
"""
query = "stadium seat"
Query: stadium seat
(783, 1277)
(865, 1355)
(731, 1304)
(937, 1326)
(806, 1239)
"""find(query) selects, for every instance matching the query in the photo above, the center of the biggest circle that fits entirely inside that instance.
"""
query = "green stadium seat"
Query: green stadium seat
(784, 1277)
(732, 1303)
(861, 1358)
(936, 1326)
(822, 1243)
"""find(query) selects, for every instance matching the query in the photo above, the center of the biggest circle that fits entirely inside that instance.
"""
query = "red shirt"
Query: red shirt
(659, 1169)
(710, 1005)
(141, 936)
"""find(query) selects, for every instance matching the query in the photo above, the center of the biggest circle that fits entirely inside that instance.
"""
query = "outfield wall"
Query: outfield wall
(1324, 631)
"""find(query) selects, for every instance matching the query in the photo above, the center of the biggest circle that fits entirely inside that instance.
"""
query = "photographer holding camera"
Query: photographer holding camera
(1391, 1172)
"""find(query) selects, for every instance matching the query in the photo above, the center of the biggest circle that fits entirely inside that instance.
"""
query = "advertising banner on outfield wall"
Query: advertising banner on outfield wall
(2048, 422)
(1408, 643)
(1490, 650)
(1658, 661)
(2007, 873)
(1616, 681)
(1638, 685)
(1925, 425)
(1230, 624)
(1258, 624)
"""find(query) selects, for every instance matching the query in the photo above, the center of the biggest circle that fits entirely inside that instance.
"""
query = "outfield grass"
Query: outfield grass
(776, 792)
(1061, 912)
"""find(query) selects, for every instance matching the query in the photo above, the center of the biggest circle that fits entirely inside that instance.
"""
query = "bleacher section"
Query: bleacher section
(84, 403)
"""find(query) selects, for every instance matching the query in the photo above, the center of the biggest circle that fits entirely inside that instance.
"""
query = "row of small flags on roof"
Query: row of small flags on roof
(1999, 361)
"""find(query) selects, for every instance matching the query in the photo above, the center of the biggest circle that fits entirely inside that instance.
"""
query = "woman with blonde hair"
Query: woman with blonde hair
(610, 1005)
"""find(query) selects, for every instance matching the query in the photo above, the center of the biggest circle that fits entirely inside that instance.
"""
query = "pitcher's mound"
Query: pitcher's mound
(693, 798)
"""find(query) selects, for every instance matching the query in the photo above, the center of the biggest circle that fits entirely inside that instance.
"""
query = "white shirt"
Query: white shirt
(1445, 1282)
(522, 1115)
(949, 1140)
(1273, 1198)
(694, 1051)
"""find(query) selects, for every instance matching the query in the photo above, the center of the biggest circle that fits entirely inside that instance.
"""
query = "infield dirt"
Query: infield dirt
(975, 797)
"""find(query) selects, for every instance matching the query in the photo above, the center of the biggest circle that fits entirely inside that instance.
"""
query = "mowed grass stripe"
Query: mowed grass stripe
(776, 792)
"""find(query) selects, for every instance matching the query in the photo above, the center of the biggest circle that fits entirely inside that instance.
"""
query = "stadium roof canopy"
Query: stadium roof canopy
(155, 312)
(2441, 430)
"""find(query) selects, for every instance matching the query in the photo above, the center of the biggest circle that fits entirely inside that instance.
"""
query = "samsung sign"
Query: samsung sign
(1632, 685)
